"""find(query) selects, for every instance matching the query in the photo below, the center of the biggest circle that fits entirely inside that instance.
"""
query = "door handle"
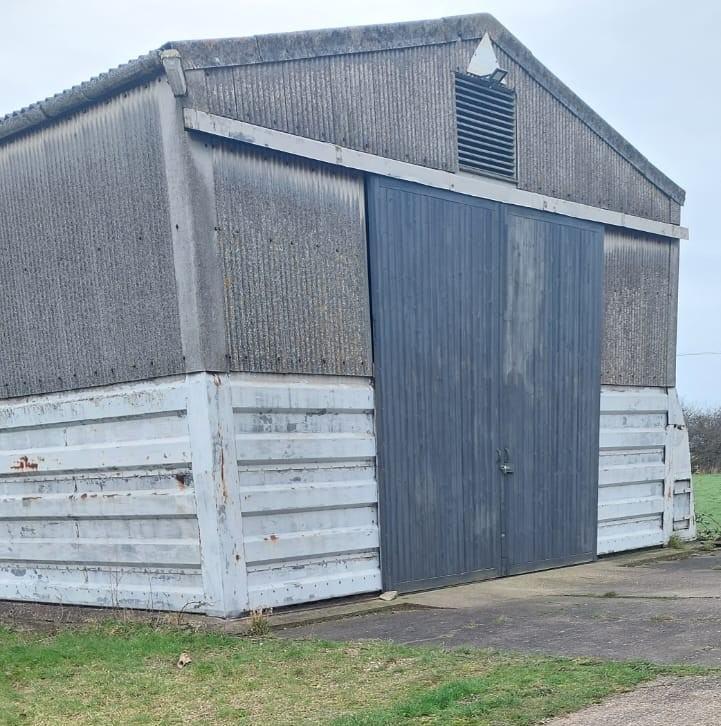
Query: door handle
(504, 460)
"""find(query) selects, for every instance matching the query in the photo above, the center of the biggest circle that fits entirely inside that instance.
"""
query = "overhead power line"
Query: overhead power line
(708, 352)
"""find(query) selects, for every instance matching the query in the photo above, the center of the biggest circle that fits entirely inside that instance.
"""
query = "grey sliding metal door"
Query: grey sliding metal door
(486, 335)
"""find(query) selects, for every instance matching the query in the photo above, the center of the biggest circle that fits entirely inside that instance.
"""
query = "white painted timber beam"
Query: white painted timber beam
(227, 128)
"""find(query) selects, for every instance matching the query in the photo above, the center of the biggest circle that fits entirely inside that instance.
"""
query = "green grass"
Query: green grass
(707, 499)
(123, 674)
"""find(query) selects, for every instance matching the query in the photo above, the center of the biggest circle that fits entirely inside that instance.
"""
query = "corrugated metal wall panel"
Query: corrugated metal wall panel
(400, 104)
(293, 242)
(559, 155)
(641, 297)
(306, 456)
(97, 500)
(396, 103)
(87, 285)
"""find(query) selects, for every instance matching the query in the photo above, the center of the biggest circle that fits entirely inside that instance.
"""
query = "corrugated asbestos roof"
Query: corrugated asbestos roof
(336, 41)
(96, 89)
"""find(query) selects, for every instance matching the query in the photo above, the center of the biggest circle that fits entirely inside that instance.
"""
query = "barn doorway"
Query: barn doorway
(486, 334)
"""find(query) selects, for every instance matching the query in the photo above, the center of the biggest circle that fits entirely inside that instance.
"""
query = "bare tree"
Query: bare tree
(704, 433)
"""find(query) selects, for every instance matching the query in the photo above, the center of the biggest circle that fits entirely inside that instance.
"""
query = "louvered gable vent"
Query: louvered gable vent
(486, 120)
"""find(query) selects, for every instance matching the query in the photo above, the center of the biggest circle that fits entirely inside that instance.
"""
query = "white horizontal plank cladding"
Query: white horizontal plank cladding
(111, 402)
(633, 468)
(300, 447)
(97, 498)
(113, 428)
(630, 473)
(79, 433)
(644, 533)
(633, 490)
(630, 508)
(121, 455)
(295, 393)
(306, 462)
(103, 587)
(289, 418)
(318, 495)
(116, 529)
(305, 422)
(631, 457)
(632, 438)
(100, 550)
(313, 579)
(636, 420)
(307, 543)
(630, 400)
(100, 504)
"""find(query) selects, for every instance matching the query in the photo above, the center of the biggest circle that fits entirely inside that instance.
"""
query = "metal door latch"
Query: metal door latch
(504, 461)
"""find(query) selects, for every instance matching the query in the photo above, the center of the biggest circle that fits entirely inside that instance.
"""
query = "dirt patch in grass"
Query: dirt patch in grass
(128, 674)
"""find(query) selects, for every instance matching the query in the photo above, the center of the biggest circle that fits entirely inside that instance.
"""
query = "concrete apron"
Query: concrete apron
(659, 606)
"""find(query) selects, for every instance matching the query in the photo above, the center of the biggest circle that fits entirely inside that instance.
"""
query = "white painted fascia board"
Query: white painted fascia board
(227, 128)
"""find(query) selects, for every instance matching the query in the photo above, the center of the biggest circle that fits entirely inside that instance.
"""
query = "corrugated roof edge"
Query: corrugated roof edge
(276, 47)
(335, 41)
(96, 89)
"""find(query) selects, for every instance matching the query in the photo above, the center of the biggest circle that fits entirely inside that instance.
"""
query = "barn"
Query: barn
(308, 315)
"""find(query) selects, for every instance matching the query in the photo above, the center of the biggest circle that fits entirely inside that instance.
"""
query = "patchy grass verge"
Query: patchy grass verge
(707, 499)
(129, 674)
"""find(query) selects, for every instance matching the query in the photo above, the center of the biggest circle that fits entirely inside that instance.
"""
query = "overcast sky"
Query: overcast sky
(651, 69)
